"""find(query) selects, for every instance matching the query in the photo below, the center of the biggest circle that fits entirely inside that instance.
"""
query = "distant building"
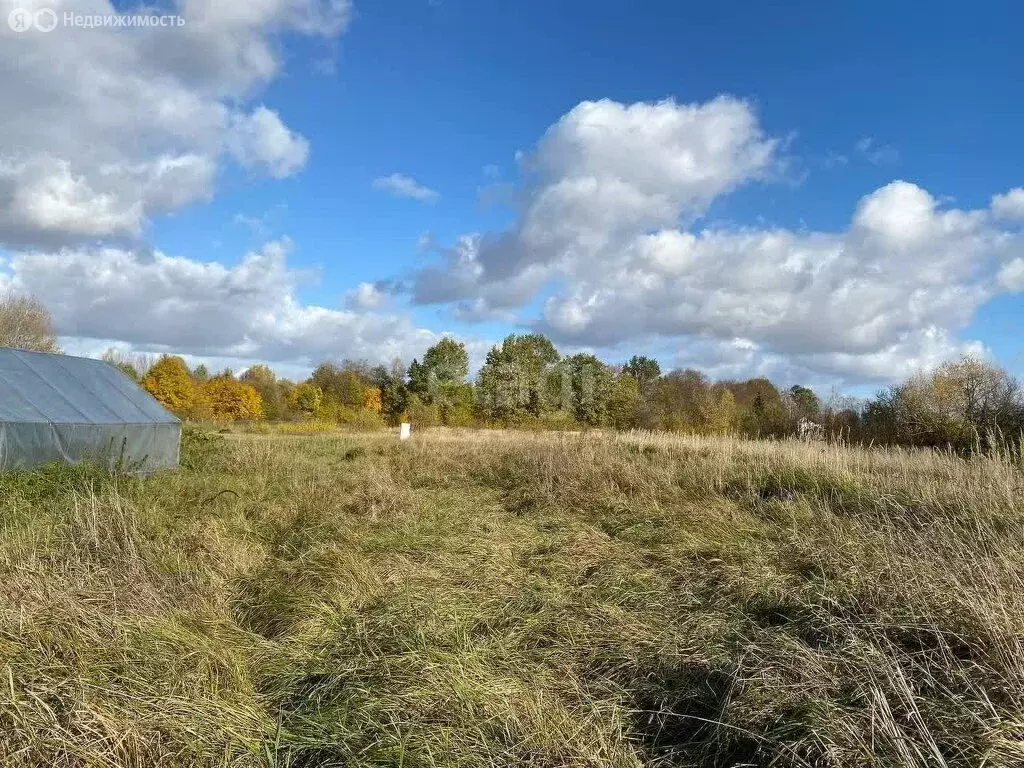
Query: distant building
(70, 409)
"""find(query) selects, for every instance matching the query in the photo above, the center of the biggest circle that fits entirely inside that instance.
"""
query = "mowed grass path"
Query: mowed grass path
(498, 599)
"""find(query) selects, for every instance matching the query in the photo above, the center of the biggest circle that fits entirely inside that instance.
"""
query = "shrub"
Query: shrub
(360, 419)
(199, 446)
(308, 427)
(421, 415)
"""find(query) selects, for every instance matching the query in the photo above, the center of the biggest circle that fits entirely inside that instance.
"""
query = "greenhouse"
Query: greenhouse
(71, 409)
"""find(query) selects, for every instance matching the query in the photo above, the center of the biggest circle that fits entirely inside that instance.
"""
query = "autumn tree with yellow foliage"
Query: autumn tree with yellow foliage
(170, 382)
(231, 400)
(372, 400)
(306, 399)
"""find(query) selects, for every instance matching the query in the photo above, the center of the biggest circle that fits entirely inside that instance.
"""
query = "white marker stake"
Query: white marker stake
(406, 431)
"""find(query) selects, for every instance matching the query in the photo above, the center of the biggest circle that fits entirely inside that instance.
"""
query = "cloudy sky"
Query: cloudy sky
(822, 195)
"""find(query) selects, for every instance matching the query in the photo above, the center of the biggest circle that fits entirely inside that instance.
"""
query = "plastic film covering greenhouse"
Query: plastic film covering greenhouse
(57, 408)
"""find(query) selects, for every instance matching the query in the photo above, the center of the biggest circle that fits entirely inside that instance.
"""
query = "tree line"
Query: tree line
(526, 383)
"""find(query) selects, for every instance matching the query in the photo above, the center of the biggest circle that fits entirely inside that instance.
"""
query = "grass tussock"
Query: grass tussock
(493, 599)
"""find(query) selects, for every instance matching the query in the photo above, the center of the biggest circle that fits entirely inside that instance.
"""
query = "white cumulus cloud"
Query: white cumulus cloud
(1009, 205)
(260, 140)
(105, 127)
(247, 312)
(609, 234)
(604, 171)
(400, 185)
(365, 296)
(1011, 277)
(888, 292)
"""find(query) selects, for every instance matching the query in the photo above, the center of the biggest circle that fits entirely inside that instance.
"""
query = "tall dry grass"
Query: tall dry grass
(487, 598)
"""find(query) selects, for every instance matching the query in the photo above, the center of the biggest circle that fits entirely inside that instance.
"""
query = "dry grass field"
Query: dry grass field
(500, 599)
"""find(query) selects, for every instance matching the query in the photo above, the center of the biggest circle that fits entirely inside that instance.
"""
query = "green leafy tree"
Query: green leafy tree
(644, 371)
(351, 389)
(456, 408)
(805, 402)
(964, 405)
(419, 380)
(264, 381)
(447, 362)
(440, 381)
(326, 377)
(394, 393)
(515, 378)
(285, 389)
(306, 399)
(763, 417)
(343, 385)
(759, 406)
(590, 384)
(624, 403)
(679, 396)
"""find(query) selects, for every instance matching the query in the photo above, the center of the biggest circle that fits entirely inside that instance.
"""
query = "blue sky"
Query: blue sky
(845, 98)
(439, 90)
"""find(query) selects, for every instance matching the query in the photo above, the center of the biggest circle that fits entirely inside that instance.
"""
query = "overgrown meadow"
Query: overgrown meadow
(498, 599)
